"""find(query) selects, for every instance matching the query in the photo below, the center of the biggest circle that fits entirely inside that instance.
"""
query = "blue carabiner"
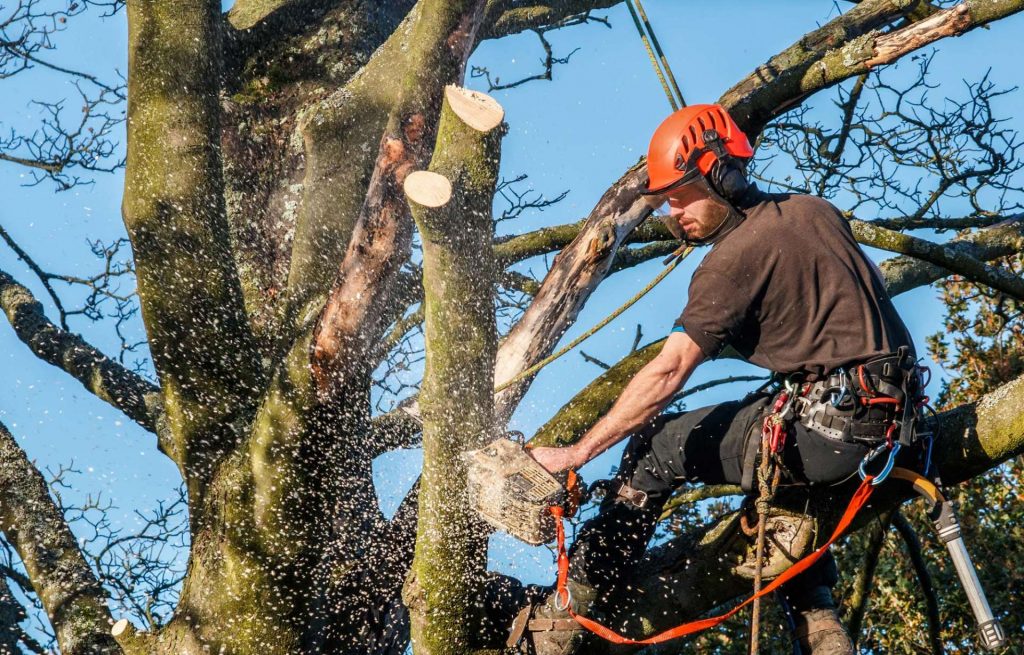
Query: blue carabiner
(886, 470)
(842, 389)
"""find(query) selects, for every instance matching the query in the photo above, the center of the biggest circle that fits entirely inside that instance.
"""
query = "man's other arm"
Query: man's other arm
(646, 395)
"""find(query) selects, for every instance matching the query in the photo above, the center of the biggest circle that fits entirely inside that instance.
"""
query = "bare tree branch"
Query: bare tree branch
(905, 273)
(71, 595)
(548, 62)
(938, 224)
(952, 259)
(174, 211)
(847, 47)
(107, 380)
(505, 17)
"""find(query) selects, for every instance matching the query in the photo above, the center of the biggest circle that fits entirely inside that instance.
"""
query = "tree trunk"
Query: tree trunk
(452, 207)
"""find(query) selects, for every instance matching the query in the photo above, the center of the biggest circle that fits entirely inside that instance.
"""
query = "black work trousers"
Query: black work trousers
(707, 445)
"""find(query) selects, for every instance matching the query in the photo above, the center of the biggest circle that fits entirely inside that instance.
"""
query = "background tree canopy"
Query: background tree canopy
(280, 298)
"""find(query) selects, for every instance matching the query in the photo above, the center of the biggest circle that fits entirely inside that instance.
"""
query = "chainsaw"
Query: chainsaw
(510, 490)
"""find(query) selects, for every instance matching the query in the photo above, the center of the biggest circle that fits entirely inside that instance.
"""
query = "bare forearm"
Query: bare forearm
(646, 395)
(650, 390)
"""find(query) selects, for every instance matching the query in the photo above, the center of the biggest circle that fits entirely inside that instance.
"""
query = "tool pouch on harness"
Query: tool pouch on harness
(511, 491)
(867, 403)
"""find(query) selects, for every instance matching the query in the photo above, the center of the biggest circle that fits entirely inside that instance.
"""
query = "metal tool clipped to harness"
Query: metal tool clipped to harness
(943, 517)
(514, 493)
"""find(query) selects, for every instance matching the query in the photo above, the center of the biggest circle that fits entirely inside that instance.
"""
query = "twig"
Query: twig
(637, 338)
(594, 360)
(697, 494)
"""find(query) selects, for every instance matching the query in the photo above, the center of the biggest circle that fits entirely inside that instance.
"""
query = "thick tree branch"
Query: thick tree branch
(451, 203)
(505, 17)
(576, 272)
(174, 211)
(511, 249)
(341, 141)
(580, 413)
(351, 322)
(245, 14)
(782, 81)
(72, 597)
(938, 224)
(102, 376)
(1001, 240)
(952, 259)
(846, 47)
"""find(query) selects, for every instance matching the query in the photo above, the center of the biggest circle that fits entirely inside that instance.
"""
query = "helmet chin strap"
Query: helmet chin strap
(728, 224)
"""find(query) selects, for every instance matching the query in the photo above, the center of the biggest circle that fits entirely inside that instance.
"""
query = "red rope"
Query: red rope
(860, 498)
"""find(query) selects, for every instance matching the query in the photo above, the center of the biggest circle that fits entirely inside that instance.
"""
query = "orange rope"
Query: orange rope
(860, 498)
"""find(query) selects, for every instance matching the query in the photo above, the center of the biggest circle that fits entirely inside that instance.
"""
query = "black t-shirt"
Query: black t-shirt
(790, 289)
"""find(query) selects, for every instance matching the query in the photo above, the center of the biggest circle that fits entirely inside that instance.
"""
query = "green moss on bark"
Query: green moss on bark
(456, 398)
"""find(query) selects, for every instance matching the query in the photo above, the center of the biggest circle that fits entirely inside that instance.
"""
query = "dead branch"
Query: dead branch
(350, 324)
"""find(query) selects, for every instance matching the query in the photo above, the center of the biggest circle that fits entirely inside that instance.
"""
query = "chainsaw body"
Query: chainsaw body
(512, 492)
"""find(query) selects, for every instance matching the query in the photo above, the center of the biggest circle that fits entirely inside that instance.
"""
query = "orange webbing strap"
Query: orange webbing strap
(574, 494)
(860, 498)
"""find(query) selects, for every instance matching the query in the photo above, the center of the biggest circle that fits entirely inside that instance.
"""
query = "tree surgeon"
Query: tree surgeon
(786, 285)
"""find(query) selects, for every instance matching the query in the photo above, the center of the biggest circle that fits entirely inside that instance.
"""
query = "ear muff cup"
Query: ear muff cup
(729, 178)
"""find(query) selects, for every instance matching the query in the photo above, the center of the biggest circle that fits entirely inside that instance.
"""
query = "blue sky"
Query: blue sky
(576, 133)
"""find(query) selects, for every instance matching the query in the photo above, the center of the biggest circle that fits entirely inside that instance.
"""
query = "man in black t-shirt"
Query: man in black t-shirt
(786, 285)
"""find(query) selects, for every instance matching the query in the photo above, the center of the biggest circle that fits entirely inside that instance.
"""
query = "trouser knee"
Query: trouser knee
(611, 543)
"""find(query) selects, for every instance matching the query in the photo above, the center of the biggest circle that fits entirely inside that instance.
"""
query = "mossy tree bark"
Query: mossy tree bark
(74, 601)
(267, 151)
(461, 338)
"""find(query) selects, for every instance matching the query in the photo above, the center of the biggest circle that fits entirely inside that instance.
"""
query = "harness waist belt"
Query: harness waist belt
(862, 403)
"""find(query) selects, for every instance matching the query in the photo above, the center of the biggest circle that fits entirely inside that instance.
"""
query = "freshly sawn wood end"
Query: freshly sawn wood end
(428, 189)
(477, 110)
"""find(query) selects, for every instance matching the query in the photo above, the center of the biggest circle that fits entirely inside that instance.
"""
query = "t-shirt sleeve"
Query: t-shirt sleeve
(716, 310)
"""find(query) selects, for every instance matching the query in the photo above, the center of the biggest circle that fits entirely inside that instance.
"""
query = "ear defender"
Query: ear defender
(730, 179)
(728, 175)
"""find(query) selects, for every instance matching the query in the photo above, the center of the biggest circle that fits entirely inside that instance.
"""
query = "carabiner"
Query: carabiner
(568, 599)
(843, 391)
(886, 470)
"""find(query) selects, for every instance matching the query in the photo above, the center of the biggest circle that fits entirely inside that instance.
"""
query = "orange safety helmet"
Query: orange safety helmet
(678, 150)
